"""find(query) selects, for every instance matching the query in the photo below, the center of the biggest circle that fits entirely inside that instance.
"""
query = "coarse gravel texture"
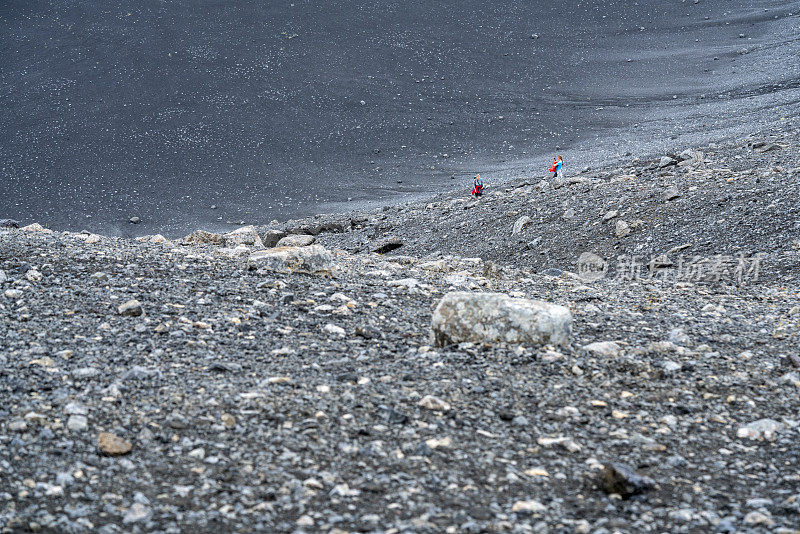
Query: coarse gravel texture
(254, 400)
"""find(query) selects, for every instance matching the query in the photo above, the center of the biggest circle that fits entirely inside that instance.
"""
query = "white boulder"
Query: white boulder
(496, 317)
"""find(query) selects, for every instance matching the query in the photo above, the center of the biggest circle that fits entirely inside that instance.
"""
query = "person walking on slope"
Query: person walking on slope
(553, 167)
(477, 186)
(560, 168)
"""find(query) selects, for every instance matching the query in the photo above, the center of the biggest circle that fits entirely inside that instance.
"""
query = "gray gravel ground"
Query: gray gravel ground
(250, 400)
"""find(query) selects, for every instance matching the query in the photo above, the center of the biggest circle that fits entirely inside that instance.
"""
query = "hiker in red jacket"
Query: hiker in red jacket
(553, 168)
(477, 186)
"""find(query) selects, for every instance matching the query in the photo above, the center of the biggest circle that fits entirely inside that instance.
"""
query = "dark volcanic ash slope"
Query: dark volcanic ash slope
(163, 109)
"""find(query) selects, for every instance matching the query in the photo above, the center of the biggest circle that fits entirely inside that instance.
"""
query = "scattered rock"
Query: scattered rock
(667, 161)
(613, 214)
(607, 349)
(672, 193)
(155, 239)
(132, 308)
(136, 513)
(495, 317)
(313, 259)
(202, 237)
(621, 228)
(763, 429)
(36, 227)
(8, 223)
(246, 235)
(335, 330)
(297, 240)
(113, 445)
(270, 238)
(520, 224)
(386, 245)
(13, 293)
(429, 402)
(623, 480)
(678, 337)
(528, 507)
(77, 423)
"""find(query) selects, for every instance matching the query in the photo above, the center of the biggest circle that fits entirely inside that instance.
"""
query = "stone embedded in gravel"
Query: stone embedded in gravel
(439, 443)
(621, 228)
(313, 259)
(392, 416)
(496, 317)
(113, 445)
(17, 425)
(85, 372)
(13, 293)
(297, 240)
(135, 220)
(155, 239)
(679, 337)
(608, 349)
(36, 227)
(520, 224)
(136, 513)
(132, 308)
(759, 502)
(75, 408)
(77, 423)
(610, 215)
(623, 480)
(429, 402)
(138, 372)
(271, 237)
(564, 442)
(762, 429)
(758, 518)
(202, 237)
(672, 193)
(246, 235)
(386, 245)
(528, 507)
(334, 330)
(667, 161)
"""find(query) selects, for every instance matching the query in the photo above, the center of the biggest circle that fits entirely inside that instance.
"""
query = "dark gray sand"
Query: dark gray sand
(266, 110)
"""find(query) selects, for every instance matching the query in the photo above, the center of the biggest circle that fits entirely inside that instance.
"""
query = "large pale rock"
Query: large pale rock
(246, 235)
(495, 317)
(297, 240)
(313, 259)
